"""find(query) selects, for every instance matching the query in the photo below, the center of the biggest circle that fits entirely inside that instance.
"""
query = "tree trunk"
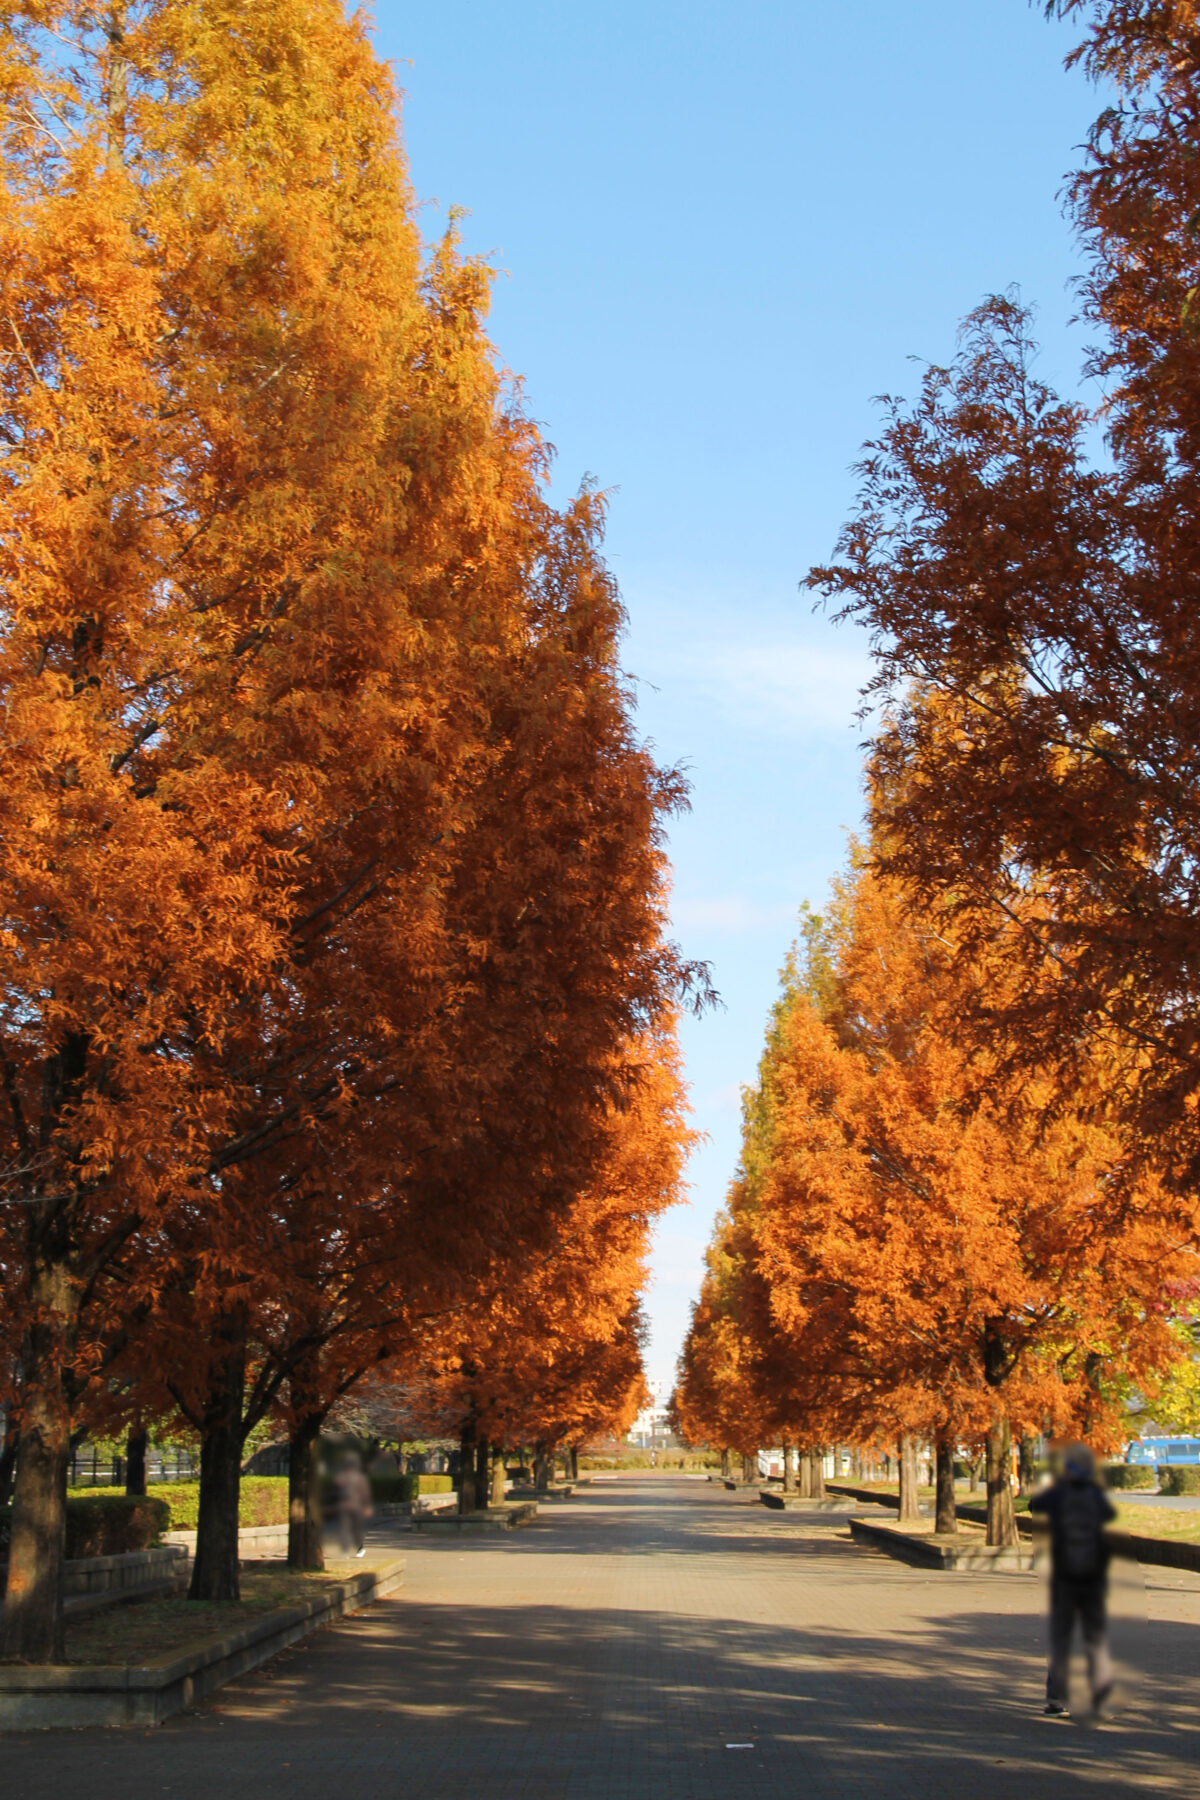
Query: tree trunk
(215, 1571)
(1026, 1473)
(31, 1628)
(1001, 1519)
(466, 1468)
(8, 1461)
(749, 1470)
(573, 1463)
(946, 1522)
(496, 1495)
(135, 1462)
(910, 1509)
(541, 1468)
(816, 1477)
(789, 1468)
(306, 1534)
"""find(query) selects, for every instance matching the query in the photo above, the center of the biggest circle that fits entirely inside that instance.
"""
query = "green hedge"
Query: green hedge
(389, 1489)
(1179, 1478)
(105, 1523)
(1130, 1475)
(264, 1501)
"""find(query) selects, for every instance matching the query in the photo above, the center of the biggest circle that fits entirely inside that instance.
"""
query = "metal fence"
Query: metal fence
(90, 1469)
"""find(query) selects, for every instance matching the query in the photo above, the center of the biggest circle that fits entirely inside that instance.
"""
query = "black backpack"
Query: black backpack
(1082, 1551)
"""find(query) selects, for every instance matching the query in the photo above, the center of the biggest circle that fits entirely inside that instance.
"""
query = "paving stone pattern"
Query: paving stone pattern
(613, 1650)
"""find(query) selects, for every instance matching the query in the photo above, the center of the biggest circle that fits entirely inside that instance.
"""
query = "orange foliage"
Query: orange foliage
(334, 868)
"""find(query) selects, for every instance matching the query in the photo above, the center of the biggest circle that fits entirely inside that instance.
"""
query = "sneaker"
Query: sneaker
(361, 1552)
(1054, 1709)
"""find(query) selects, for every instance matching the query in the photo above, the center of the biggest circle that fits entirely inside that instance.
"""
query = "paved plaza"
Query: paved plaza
(621, 1646)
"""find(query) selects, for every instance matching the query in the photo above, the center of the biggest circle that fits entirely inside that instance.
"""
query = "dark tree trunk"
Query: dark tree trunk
(215, 1571)
(910, 1509)
(466, 1468)
(31, 1627)
(946, 1522)
(8, 1461)
(306, 1535)
(804, 1474)
(727, 1465)
(975, 1466)
(135, 1462)
(1026, 1473)
(573, 1463)
(749, 1470)
(541, 1468)
(1001, 1518)
(789, 1468)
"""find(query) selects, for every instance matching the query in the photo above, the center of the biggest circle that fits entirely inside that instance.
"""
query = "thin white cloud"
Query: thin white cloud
(800, 689)
(729, 913)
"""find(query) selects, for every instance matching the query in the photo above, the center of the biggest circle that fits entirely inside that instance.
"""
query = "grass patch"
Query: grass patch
(156, 1628)
(1159, 1521)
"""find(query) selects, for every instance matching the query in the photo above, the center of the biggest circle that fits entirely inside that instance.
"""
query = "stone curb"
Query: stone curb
(777, 1502)
(925, 1552)
(41, 1698)
(490, 1518)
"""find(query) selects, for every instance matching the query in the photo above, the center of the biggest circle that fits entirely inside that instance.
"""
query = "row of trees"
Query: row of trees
(968, 1194)
(336, 1029)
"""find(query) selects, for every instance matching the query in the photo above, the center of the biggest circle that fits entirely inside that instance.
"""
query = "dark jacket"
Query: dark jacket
(1078, 1510)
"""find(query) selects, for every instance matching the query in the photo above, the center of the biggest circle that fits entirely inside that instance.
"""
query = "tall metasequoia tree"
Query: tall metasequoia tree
(918, 1240)
(1034, 609)
(965, 1245)
(552, 1357)
(275, 566)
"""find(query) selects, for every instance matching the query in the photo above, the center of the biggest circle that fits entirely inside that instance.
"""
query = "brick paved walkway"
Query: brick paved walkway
(614, 1650)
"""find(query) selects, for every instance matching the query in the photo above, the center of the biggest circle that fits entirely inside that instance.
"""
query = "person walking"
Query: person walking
(1078, 1510)
(352, 1503)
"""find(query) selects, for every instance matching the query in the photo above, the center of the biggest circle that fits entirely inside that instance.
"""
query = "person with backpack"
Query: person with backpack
(1078, 1510)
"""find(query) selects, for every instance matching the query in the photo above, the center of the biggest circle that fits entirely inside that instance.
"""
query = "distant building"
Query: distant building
(652, 1428)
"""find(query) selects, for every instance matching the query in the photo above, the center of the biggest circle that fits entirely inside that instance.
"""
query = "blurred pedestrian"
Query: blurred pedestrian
(1078, 1510)
(351, 1502)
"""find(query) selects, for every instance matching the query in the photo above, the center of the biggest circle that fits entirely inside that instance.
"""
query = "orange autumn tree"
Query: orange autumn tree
(271, 682)
(1033, 606)
(552, 1356)
(968, 1250)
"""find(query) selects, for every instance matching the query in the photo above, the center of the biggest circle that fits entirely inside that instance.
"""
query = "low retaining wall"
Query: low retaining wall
(72, 1695)
(1163, 1553)
(926, 1552)
(780, 1502)
(121, 1574)
(253, 1540)
(488, 1518)
(93, 1582)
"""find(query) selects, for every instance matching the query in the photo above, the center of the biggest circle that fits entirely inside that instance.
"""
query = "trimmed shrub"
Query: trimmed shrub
(1130, 1475)
(1179, 1478)
(104, 1523)
(264, 1501)
(392, 1489)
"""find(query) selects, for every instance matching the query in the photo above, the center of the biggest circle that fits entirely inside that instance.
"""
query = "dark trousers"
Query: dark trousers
(352, 1527)
(1086, 1601)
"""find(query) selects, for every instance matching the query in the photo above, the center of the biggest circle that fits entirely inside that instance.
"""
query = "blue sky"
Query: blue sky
(722, 229)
